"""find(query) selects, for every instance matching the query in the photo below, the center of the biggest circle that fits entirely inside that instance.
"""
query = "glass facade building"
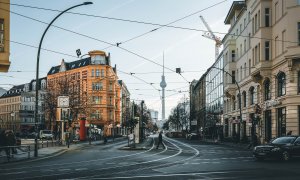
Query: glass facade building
(214, 97)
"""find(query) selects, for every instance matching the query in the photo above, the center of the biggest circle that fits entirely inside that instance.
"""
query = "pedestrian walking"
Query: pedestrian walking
(160, 140)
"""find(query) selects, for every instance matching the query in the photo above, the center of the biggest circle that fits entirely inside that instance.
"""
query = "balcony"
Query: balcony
(229, 90)
(261, 71)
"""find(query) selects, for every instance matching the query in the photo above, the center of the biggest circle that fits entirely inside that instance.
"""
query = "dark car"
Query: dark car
(281, 148)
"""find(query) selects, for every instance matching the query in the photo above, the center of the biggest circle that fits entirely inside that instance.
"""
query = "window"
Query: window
(97, 72)
(267, 17)
(276, 46)
(244, 99)
(249, 66)
(299, 83)
(249, 16)
(245, 49)
(245, 70)
(276, 11)
(110, 86)
(298, 33)
(258, 20)
(281, 84)
(251, 95)
(97, 86)
(283, 41)
(267, 89)
(102, 72)
(267, 50)
(1, 35)
(93, 72)
(281, 116)
(110, 100)
(241, 73)
(233, 51)
(233, 77)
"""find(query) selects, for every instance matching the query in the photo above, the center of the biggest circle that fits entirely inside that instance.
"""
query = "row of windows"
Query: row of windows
(9, 100)
(281, 91)
(98, 73)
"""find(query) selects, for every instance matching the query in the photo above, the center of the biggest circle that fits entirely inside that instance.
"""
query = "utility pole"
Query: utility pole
(141, 121)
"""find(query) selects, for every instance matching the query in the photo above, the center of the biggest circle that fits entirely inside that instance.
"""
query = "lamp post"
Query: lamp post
(37, 72)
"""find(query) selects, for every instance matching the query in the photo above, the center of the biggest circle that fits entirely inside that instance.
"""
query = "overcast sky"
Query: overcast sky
(143, 56)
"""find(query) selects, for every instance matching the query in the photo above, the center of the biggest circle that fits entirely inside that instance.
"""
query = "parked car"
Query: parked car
(192, 136)
(46, 134)
(281, 148)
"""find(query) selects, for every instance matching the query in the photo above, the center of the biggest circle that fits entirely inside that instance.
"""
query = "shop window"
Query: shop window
(281, 117)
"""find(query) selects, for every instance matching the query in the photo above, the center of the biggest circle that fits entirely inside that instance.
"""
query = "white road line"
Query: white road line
(20, 172)
(81, 169)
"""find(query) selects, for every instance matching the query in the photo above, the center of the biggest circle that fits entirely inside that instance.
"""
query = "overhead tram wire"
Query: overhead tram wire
(32, 46)
(151, 84)
(140, 22)
(127, 20)
(89, 37)
(167, 25)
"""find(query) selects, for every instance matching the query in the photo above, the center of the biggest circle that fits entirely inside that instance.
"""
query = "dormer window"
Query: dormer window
(98, 59)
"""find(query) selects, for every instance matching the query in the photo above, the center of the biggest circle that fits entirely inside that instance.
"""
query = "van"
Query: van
(46, 134)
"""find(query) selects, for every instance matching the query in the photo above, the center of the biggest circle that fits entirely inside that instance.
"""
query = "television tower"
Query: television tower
(163, 85)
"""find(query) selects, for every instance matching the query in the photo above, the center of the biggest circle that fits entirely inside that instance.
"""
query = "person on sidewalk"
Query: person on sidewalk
(160, 140)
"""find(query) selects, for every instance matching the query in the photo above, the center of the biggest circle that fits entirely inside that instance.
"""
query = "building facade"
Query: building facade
(10, 104)
(261, 51)
(214, 99)
(125, 107)
(27, 107)
(93, 88)
(4, 35)
(17, 107)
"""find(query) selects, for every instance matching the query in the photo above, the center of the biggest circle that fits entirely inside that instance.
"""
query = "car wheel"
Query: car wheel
(286, 156)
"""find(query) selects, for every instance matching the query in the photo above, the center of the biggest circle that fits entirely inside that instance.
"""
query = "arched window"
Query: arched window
(244, 99)
(267, 90)
(251, 95)
(281, 84)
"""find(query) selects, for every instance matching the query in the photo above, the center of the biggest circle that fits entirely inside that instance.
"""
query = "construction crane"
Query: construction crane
(212, 36)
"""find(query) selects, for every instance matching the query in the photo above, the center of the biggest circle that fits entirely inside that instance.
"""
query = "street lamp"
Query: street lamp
(37, 72)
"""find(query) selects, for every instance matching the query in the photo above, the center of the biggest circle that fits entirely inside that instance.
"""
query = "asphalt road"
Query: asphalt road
(181, 159)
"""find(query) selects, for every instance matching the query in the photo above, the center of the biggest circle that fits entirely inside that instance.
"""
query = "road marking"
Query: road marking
(20, 172)
(64, 170)
(81, 169)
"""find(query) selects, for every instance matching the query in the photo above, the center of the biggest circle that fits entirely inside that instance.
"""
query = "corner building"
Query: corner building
(93, 88)
(262, 52)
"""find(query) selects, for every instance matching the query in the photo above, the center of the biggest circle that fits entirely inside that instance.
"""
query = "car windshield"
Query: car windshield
(284, 140)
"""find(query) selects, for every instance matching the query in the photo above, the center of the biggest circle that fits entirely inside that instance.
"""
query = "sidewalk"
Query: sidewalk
(47, 152)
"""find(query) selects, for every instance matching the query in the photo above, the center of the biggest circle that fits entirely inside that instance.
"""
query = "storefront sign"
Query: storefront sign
(271, 103)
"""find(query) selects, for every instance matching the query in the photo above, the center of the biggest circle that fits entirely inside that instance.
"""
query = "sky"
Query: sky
(181, 46)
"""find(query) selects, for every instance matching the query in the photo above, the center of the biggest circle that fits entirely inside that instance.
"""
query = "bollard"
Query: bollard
(42, 143)
(47, 142)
